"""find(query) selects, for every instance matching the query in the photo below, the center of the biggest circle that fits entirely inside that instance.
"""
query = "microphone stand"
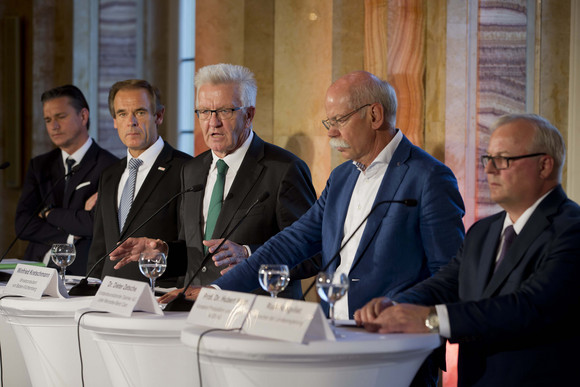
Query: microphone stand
(180, 303)
(406, 202)
(83, 288)
(40, 206)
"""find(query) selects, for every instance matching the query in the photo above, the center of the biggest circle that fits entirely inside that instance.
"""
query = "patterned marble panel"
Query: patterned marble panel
(117, 61)
(501, 77)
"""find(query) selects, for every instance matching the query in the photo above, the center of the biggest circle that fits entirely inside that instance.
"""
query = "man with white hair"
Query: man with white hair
(237, 170)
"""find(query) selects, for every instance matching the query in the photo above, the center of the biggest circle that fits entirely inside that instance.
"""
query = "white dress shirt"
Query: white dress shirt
(361, 202)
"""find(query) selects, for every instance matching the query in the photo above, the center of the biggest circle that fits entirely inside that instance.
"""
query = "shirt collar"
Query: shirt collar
(234, 159)
(385, 156)
(79, 154)
(150, 155)
(523, 219)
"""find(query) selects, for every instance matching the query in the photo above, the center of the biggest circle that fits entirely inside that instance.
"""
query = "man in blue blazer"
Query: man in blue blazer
(400, 245)
(511, 295)
(57, 209)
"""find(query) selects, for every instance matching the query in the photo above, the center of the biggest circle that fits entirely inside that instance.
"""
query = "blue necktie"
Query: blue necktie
(128, 192)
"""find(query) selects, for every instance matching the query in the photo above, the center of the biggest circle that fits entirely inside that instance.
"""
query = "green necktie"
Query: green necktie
(217, 196)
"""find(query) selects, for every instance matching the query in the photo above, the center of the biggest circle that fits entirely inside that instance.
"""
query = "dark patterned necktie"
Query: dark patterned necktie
(509, 235)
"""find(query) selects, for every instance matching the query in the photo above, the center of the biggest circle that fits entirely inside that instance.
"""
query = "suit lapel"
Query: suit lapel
(199, 175)
(247, 176)
(56, 173)
(537, 223)
(156, 173)
(108, 197)
(393, 178)
(86, 165)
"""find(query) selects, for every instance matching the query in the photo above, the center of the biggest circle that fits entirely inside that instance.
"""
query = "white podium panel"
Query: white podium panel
(14, 371)
(357, 358)
(144, 349)
(47, 335)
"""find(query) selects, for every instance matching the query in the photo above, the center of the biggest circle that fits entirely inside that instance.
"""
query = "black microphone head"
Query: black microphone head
(263, 197)
(410, 202)
(195, 188)
(5, 165)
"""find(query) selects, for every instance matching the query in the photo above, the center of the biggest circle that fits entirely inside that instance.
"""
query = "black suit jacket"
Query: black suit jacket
(162, 182)
(516, 327)
(265, 168)
(68, 215)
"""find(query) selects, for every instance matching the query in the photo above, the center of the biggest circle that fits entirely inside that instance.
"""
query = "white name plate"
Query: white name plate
(123, 296)
(35, 281)
(281, 319)
(220, 308)
(288, 320)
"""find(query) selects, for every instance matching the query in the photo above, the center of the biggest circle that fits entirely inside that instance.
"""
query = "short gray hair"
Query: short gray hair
(224, 73)
(373, 89)
(547, 139)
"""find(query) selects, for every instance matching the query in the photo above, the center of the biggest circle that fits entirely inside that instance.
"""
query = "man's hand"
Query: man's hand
(229, 254)
(191, 294)
(372, 309)
(400, 318)
(130, 250)
(90, 203)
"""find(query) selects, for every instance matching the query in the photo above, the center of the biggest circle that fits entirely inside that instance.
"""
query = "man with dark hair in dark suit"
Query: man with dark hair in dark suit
(225, 106)
(67, 212)
(137, 186)
(511, 295)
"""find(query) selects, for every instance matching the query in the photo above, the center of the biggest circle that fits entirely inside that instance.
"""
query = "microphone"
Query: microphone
(406, 202)
(40, 206)
(180, 303)
(5, 165)
(83, 288)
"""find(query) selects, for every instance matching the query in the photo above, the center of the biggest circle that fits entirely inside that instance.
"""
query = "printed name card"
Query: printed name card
(288, 320)
(35, 281)
(220, 309)
(123, 296)
(275, 318)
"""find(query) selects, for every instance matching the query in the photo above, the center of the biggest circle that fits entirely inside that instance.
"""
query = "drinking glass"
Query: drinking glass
(274, 278)
(63, 254)
(152, 264)
(331, 287)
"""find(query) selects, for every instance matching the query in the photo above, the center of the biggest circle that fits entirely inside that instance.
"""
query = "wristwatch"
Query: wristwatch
(432, 320)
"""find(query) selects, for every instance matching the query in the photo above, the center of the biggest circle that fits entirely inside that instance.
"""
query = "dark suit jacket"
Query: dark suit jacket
(517, 327)
(68, 215)
(265, 168)
(161, 183)
(400, 245)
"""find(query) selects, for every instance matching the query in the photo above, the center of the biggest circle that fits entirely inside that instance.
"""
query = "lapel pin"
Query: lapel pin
(161, 168)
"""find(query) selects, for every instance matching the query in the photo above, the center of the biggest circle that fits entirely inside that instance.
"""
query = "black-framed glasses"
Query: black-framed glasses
(329, 123)
(502, 162)
(222, 114)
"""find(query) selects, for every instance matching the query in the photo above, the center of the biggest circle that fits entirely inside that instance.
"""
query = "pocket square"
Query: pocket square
(81, 185)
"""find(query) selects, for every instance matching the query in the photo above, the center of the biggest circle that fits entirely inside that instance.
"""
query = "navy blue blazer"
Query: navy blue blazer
(68, 215)
(400, 245)
(519, 326)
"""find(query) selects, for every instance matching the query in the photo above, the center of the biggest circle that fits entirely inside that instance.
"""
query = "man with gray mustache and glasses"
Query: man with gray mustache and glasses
(399, 245)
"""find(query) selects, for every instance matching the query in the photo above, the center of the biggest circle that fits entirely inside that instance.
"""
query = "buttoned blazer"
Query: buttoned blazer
(400, 245)
(516, 327)
(68, 215)
(162, 183)
(265, 168)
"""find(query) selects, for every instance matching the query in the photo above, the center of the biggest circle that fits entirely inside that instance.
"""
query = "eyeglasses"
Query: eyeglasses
(329, 123)
(501, 162)
(222, 114)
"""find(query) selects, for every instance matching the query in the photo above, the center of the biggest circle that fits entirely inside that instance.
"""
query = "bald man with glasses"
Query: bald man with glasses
(511, 295)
